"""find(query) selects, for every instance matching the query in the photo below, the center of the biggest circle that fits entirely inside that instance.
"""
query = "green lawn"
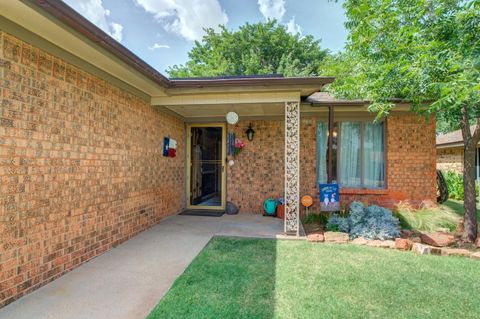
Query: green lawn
(457, 207)
(260, 278)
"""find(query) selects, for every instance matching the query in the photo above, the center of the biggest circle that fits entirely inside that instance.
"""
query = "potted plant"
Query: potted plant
(280, 208)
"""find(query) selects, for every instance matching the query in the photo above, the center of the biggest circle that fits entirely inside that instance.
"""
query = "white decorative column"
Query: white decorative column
(292, 166)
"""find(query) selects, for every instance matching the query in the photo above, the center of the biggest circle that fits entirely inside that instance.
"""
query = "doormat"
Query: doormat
(203, 212)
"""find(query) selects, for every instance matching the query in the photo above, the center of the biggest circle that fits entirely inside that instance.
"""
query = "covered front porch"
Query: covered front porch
(270, 165)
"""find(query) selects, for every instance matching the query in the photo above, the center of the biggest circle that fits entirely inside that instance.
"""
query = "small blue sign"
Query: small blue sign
(329, 197)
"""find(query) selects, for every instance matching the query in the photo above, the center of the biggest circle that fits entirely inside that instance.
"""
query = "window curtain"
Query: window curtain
(322, 143)
(350, 154)
(373, 155)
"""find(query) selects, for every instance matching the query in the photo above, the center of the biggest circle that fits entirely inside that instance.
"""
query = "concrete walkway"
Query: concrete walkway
(129, 280)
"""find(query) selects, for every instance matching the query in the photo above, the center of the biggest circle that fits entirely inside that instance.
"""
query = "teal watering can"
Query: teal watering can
(270, 207)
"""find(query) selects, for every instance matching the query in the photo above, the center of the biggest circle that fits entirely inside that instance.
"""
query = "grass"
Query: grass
(457, 207)
(428, 219)
(255, 278)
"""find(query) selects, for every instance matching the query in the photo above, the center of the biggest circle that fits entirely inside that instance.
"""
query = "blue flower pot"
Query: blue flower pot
(270, 206)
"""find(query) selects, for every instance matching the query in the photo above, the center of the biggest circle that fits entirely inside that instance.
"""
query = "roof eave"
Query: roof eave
(68, 16)
(257, 81)
(450, 145)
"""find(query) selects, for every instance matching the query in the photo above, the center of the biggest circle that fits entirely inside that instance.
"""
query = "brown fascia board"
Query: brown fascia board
(65, 14)
(348, 102)
(336, 103)
(253, 81)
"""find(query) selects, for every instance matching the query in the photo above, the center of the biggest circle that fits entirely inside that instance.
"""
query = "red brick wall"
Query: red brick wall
(258, 170)
(411, 158)
(308, 161)
(81, 167)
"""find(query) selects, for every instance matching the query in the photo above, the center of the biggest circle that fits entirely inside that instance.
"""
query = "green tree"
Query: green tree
(260, 48)
(446, 126)
(423, 51)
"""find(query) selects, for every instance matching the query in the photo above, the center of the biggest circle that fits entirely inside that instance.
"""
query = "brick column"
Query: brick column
(292, 166)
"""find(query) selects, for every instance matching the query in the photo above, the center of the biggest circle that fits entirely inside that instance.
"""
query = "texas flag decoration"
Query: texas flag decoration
(169, 147)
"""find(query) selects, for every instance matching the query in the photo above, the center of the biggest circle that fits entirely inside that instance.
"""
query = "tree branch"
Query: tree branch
(465, 125)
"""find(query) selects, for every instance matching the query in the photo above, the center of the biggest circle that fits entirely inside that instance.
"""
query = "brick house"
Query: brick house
(84, 123)
(450, 152)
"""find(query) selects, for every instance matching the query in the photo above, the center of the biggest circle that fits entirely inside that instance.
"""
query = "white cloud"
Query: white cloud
(293, 27)
(276, 9)
(116, 31)
(186, 18)
(159, 46)
(272, 9)
(94, 11)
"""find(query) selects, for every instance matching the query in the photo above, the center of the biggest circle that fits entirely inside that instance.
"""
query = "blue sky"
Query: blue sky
(161, 32)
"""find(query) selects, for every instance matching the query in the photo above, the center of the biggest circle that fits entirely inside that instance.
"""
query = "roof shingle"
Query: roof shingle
(452, 137)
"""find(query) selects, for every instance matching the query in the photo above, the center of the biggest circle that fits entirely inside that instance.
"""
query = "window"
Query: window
(358, 154)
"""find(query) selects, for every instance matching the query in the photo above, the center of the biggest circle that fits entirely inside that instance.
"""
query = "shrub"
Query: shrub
(338, 223)
(311, 219)
(372, 222)
(455, 185)
(314, 218)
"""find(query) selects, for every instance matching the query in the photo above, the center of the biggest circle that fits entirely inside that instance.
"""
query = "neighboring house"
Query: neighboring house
(82, 128)
(450, 152)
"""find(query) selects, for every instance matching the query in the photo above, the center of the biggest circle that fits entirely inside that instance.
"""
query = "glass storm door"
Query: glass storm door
(206, 166)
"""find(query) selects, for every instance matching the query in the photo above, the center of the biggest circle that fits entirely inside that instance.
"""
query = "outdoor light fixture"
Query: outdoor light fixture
(250, 132)
(232, 118)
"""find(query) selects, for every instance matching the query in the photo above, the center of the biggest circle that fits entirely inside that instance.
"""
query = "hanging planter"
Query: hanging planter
(239, 145)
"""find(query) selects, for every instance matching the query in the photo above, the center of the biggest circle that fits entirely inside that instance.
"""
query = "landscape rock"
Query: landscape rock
(405, 233)
(475, 255)
(455, 252)
(388, 244)
(317, 237)
(336, 237)
(403, 244)
(374, 243)
(416, 240)
(381, 243)
(359, 241)
(422, 249)
(438, 239)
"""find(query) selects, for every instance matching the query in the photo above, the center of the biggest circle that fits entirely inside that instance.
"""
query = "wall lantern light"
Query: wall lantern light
(250, 132)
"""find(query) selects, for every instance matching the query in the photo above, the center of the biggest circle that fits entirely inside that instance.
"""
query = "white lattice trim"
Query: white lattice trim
(292, 166)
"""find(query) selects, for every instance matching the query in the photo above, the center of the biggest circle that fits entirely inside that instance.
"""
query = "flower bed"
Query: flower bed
(377, 227)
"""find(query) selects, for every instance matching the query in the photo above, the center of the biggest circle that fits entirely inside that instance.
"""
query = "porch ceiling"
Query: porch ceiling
(218, 111)
(198, 107)
(276, 110)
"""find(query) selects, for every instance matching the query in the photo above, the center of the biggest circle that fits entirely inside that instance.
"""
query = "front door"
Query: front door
(206, 166)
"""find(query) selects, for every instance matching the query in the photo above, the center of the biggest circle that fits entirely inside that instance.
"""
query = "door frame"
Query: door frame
(223, 168)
